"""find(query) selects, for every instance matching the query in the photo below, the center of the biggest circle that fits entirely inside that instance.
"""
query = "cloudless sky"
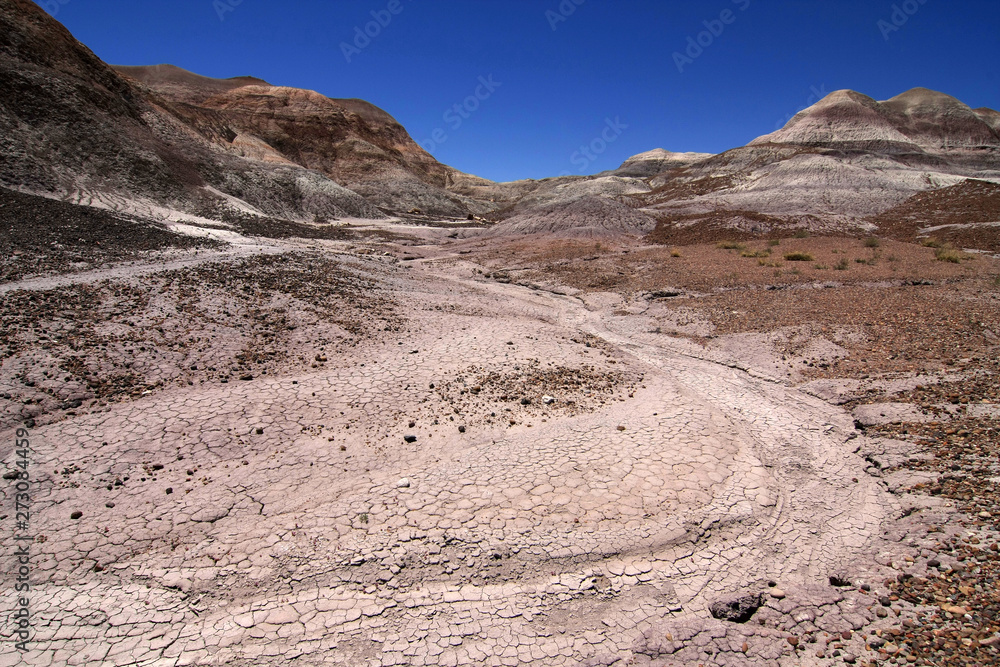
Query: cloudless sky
(564, 68)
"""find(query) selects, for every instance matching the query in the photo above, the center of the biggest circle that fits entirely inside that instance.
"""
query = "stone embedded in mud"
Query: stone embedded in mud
(738, 610)
(839, 580)
(409, 439)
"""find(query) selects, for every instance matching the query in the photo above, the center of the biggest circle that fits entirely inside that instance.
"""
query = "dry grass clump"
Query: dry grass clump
(949, 253)
(798, 257)
(730, 245)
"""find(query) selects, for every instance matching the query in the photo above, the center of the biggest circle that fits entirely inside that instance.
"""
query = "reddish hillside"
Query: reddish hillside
(968, 209)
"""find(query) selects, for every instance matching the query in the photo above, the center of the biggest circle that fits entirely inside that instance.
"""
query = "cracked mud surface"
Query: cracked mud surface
(311, 451)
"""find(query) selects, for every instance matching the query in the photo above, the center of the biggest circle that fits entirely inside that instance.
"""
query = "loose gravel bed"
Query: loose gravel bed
(44, 236)
(82, 345)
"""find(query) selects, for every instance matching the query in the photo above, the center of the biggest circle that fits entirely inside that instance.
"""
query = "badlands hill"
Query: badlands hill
(835, 165)
(143, 139)
(352, 142)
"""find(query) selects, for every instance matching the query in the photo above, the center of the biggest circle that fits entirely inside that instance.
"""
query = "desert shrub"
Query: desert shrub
(730, 245)
(821, 267)
(674, 252)
(798, 257)
(774, 242)
(755, 253)
(948, 253)
(842, 265)
(872, 242)
(931, 242)
(801, 233)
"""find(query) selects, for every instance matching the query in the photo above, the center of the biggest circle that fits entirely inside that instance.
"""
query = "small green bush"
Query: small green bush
(842, 265)
(872, 242)
(730, 245)
(799, 257)
(801, 233)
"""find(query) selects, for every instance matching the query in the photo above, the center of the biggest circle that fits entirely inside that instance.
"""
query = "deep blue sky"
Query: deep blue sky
(557, 88)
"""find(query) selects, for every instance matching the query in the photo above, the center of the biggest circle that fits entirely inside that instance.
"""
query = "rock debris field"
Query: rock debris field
(316, 451)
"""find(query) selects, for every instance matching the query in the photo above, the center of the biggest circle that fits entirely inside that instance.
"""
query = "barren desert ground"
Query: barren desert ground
(397, 444)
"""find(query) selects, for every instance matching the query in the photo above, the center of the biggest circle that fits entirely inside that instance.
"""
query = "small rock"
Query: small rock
(777, 594)
(794, 641)
(738, 610)
(839, 580)
(259, 431)
(885, 601)
(403, 483)
(246, 376)
(76, 515)
(461, 429)
(525, 401)
(548, 400)
(409, 438)
(850, 659)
